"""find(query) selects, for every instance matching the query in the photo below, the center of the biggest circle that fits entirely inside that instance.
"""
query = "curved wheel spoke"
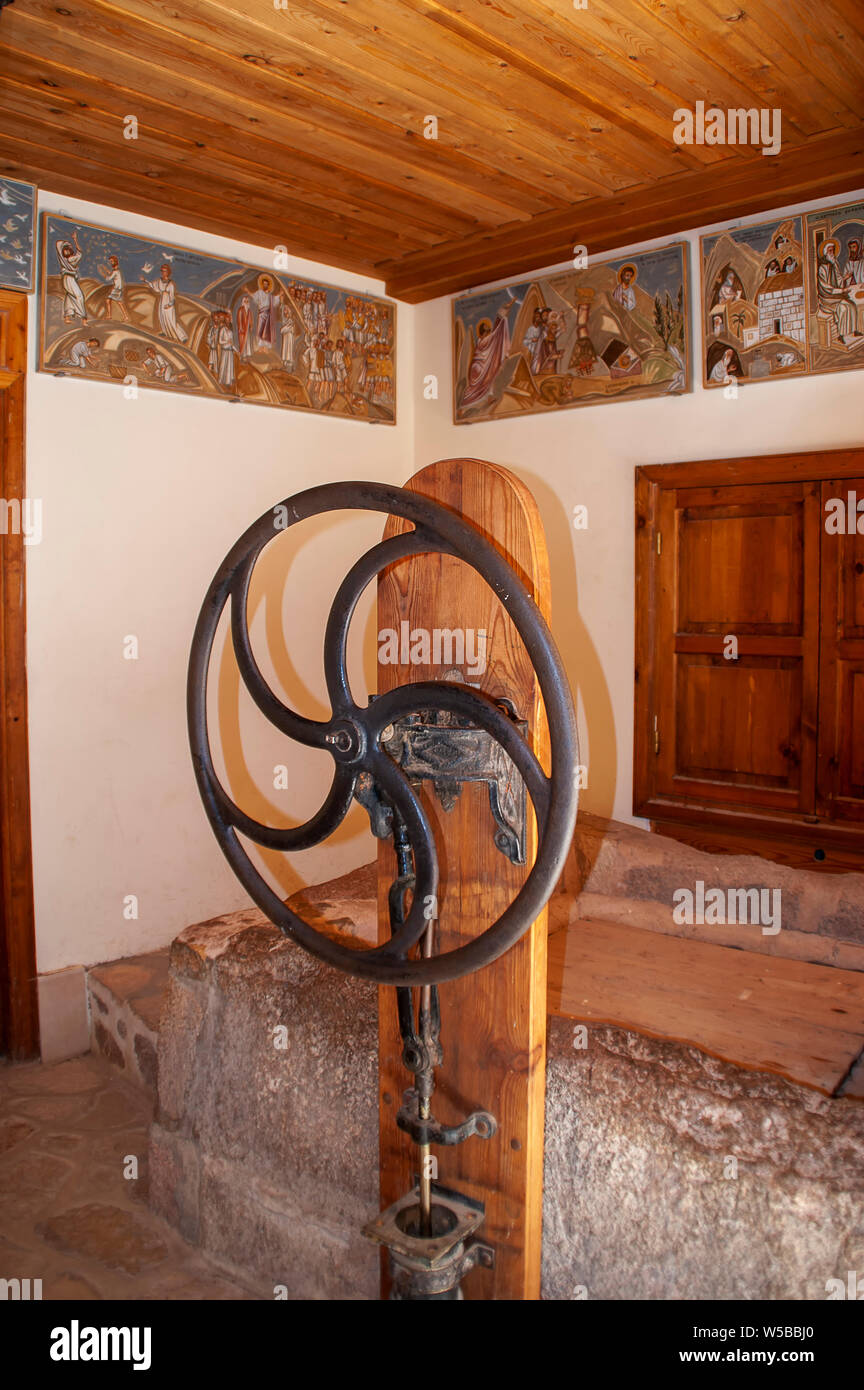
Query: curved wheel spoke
(290, 837)
(307, 731)
(347, 596)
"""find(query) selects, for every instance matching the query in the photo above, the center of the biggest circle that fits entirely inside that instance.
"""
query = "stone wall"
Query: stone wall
(264, 1151)
(264, 1148)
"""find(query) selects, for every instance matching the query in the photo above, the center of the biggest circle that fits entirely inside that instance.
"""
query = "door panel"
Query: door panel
(840, 790)
(738, 598)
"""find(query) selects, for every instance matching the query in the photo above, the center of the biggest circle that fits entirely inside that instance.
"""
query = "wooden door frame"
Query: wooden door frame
(775, 835)
(19, 1013)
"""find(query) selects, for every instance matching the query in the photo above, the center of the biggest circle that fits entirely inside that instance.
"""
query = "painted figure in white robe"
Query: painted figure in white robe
(167, 292)
(314, 359)
(82, 354)
(623, 293)
(533, 339)
(265, 301)
(731, 289)
(287, 334)
(340, 364)
(69, 258)
(213, 344)
(491, 346)
(725, 368)
(227, 348)
(832, 293)
(114, 277)
(853, 271)
(158, 366)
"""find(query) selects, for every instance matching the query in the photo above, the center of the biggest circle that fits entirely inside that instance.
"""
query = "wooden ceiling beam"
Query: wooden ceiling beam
(367, 111)
(821, 168)
(397, 82)
(324, 184)
(190, 181)
(468, 63)
(36, 163)
(632, 65)
(196, 165)
(786, 66)
(248, 96)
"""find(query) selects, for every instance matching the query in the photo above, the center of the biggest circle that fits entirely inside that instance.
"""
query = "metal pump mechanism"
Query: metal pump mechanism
(439, 731)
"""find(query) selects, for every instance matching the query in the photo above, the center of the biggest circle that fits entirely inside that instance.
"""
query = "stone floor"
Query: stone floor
(69, 1215)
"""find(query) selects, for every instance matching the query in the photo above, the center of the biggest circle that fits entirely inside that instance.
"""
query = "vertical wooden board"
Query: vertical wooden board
(19, 1011)
(493, 1022)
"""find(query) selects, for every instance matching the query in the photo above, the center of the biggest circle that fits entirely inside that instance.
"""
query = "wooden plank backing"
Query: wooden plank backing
(764, 1013)
(493, 1022)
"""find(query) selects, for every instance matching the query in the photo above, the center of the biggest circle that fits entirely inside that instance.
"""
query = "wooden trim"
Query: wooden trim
(798, 853)
(792, 826)
(702, 198)
(769, 468)
(19, 1017)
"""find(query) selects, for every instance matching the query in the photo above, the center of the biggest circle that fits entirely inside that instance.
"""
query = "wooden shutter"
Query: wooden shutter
(763, 747)
(739, 565)
(840, 787)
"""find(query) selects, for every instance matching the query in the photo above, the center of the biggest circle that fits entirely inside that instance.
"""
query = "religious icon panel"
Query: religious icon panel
(17, 216)
(121, 308)
(615, 330)
(835, 287)
(754, 322)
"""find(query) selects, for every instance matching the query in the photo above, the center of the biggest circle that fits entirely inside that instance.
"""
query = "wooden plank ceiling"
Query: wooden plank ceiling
(302, 124)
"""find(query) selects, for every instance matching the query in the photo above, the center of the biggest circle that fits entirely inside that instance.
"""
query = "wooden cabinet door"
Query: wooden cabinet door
(738, 645)
(840, 781)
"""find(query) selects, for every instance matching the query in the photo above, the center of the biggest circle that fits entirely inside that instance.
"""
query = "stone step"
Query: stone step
(621, 873)
(125, 999)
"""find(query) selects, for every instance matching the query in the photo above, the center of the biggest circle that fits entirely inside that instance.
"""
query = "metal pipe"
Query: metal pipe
(424, 1103)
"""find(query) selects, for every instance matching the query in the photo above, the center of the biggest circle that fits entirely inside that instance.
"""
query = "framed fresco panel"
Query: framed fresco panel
(615, 330)
(117, 307)
(754, 321)
(17, 217)
(835, 287)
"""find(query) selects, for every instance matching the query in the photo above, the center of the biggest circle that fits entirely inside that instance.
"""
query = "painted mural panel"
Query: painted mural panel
(754, 321)
(17, 217)
(835, 287)
(117, 307)
(615, 330)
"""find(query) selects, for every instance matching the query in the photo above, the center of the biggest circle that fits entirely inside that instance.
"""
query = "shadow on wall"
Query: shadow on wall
(582, 664)
(267, 594)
